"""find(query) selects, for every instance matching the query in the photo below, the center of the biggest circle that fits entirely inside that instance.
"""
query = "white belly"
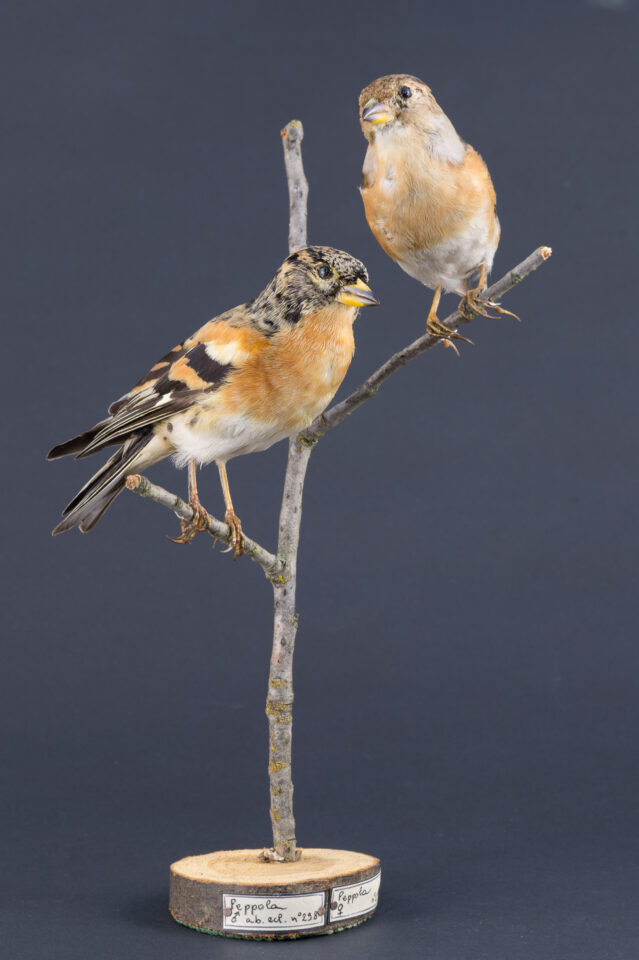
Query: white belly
(452, 262)
(231, 436)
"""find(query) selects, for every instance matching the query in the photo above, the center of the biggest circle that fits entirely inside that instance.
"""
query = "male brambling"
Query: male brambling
(428, 196)
(248, 378)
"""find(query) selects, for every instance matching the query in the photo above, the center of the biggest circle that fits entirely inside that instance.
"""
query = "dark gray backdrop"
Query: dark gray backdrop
(466, 696)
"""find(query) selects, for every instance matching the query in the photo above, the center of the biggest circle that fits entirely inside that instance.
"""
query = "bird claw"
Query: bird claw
(436, 328)
(472, 304)
(237, 537)
(197, 524)
(447, 342)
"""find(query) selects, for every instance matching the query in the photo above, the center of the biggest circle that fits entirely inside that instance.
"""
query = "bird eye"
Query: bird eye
(406, 92)
(324, 272)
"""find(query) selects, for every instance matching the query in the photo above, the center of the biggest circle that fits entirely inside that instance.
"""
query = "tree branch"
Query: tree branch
(337, 413)
(292, 136)
(142, 486)
(279, 698)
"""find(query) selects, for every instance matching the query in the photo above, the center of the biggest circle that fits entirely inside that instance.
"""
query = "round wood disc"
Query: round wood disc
(237, 893)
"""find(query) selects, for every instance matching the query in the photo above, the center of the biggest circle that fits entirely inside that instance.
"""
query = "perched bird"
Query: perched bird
(428, 196)
(246, 379)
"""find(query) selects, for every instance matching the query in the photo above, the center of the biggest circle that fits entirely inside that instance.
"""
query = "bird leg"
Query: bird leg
(230, 517)
(200, 519)
(472, 303)
(436, 328)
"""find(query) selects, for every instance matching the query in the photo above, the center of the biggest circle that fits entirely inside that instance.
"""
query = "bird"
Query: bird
(250, 377)
(428, 196)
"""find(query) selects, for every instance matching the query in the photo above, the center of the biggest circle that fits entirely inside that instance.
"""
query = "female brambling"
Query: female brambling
(248, 378)
(428, 196)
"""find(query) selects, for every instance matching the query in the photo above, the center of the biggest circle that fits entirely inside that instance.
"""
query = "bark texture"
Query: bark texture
(217, 529)
(279, 698)
(198, 886)
(292, 136)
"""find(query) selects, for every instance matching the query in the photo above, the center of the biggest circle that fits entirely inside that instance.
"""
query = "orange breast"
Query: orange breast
(296, 375)
(415, 202)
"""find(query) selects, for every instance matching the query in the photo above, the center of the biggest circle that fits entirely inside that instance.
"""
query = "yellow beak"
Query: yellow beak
(375, 112)
(357, 295)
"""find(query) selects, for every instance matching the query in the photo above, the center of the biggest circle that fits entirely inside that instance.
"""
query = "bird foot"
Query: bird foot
(472, 304)
(237, 537)
(197, 524)
(436, 328)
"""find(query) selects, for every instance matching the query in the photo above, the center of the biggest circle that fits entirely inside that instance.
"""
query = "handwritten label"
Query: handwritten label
(354, 899)
(277, 913)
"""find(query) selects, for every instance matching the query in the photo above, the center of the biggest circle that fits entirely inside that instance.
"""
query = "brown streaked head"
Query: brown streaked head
(397, 98)
(308, 281)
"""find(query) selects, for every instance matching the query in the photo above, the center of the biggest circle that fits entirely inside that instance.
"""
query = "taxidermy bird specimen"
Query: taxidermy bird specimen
(248, 378)
(428, 196)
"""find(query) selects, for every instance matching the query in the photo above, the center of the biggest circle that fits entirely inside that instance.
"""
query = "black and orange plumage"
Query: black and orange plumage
(246, 379)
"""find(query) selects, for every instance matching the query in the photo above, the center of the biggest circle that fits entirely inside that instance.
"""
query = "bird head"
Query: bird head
(396, 100)
(310, 280)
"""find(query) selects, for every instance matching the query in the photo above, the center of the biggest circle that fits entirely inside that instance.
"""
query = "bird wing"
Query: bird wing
(198, 366)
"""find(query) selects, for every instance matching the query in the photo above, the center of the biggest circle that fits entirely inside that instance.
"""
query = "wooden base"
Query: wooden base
(236, 893)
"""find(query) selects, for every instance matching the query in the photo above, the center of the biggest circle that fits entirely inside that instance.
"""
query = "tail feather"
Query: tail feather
(92, 500)
(76, 444)
(86, 517)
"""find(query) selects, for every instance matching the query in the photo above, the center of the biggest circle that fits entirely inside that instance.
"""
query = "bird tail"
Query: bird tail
(77, 444)
(92, 500)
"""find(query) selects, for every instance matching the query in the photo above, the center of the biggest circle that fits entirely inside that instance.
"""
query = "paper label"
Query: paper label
(354, 899)
(277, 913)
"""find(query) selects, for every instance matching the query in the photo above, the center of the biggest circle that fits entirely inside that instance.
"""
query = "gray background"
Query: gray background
(465, 671)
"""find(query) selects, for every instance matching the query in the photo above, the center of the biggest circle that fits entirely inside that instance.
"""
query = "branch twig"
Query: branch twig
(337, 413)
(279, 698)
(151, 491)
(292, 136)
